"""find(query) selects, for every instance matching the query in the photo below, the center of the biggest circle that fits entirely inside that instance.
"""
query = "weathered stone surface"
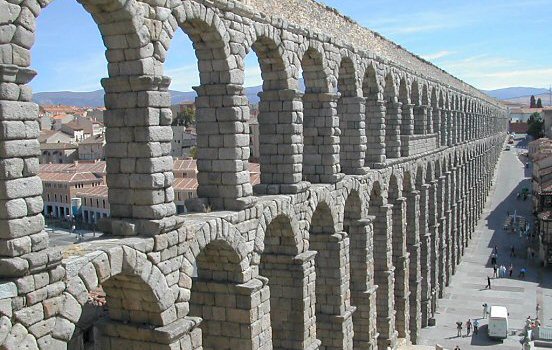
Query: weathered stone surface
(334, 252)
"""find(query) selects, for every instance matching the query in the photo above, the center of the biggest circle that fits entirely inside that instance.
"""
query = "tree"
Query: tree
(185, 118)
(532, 103)
(535, 125)
(193, 152)
(539, 103)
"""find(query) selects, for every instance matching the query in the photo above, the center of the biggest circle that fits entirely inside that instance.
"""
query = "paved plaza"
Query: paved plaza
(464, 298)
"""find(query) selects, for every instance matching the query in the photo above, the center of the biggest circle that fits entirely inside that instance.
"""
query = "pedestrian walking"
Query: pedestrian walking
(511, 268)
(468, 327)
(488, 283)
(495, 271)
(522, 272)
(512, 252)
(496, 250)
(459, 328)
(475, 326)
(493, 258)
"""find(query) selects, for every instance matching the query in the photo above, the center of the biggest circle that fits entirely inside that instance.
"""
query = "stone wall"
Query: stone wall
(347, 242)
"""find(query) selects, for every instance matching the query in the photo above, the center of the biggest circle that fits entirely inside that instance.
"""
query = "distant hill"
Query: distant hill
(515, 92)
(545, 98)
(96, 98)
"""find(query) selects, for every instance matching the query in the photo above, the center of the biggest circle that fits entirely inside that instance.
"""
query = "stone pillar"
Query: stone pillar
(138, 151)
(223, 147)
(334, 322)
(430, 120)
(363, 291)
(408, 120)
(425, 255)
(441, 243)
(384, 277)
(292, 298)
(321, 137)
(420, 120)
(393, 130)
(181, 334)
(453, 221)
(407, 127)
(281, 142)
(375, 133)
(243, 306)
(437, 123)
(23, 242)
(353, 135)
(401, 265)
(459, 129)
(451, 128)
(414, 274)
(433, 244)
(447, 229)
(445, 121)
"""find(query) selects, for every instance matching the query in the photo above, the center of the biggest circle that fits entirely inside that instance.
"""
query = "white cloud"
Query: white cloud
(183, 78)
(491, 72)
(437, 55)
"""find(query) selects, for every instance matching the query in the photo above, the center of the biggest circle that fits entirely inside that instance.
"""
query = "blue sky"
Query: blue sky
(487, 43)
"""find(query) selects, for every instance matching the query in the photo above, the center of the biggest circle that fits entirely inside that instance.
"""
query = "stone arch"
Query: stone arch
(361, 267)
(380, 211)
(351, 113)
(399, 254)
(217, 120)
(279, 121)
(332, 278)
(375, 116)
(321, 144)
(135, 33)
(286, 281)
(136, 294)
(392, 117)
(213, 295)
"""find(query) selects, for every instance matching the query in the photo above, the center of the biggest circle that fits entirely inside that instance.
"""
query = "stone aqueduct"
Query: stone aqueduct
(372, 182)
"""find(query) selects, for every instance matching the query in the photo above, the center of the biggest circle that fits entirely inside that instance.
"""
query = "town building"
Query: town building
(60, 188)
(60, 152)
(94, 204)
(92, 148)
(184, 139)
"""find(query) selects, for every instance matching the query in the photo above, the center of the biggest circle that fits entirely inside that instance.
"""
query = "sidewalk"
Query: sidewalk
(63, 237)
(463, 299)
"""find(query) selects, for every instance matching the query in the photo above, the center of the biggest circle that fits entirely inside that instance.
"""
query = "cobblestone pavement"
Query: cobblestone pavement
(464, 297)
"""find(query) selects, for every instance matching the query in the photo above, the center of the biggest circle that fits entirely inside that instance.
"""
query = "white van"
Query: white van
(498, 322)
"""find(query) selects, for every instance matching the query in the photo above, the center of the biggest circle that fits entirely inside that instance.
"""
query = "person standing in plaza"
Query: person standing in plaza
(485, 310)
(511, 268)
(488, 283)
(495, 271)
(468, 327)
(475, 326)
(459, 328)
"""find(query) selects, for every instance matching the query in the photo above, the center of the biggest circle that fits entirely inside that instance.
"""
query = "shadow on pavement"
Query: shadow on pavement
(482, 339)
(504, 240)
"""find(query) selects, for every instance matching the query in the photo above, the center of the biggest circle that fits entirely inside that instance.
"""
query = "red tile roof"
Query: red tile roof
(96, 192)
(69, 177)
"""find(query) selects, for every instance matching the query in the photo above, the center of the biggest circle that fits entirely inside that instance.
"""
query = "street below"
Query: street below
(465, 296)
